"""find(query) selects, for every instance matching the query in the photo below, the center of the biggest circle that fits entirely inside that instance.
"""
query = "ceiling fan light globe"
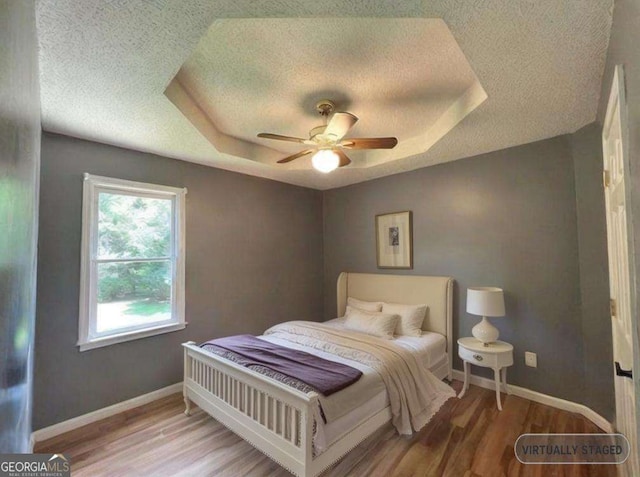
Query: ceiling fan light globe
(325, 161)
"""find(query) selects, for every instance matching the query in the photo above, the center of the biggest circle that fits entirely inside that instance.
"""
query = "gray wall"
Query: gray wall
(586, 145)
(254, 257)
(623, 49)
(504, 219)
(19, 163)
(528, 219)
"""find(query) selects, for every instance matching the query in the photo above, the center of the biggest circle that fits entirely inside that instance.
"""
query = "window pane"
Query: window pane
(132, 294)
(133, 227)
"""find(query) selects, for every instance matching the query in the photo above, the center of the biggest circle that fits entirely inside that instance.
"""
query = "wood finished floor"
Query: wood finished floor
(469, 437)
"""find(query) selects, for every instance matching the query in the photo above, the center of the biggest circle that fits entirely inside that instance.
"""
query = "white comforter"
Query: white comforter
(415, 394)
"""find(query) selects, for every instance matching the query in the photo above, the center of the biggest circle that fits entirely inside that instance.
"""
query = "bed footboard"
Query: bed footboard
(274, 418)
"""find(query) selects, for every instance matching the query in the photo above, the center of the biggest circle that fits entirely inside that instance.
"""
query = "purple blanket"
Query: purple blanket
(327, 377)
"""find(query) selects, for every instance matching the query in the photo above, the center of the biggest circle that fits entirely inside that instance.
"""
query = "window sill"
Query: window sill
(130, 336)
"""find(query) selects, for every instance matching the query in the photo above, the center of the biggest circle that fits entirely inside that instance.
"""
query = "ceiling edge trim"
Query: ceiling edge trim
(179, 96)
(473, 97)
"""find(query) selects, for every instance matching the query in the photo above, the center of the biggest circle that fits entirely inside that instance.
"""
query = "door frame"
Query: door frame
(618, 85)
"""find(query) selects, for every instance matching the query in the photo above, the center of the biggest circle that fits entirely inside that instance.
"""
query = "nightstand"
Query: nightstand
(497, 356)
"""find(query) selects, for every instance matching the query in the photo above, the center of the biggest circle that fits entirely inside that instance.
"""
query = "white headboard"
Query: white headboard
(435, 292)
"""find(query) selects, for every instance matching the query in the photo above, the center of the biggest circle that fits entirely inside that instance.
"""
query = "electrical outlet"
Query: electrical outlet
(531, 359)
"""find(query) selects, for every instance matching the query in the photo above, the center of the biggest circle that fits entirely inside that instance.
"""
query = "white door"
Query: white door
(619, 278)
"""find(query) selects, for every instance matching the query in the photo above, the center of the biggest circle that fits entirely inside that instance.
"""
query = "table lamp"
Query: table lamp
(484, 302)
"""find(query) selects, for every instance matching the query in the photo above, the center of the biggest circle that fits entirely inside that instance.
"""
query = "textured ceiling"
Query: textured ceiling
(106, 63)
(412, 82)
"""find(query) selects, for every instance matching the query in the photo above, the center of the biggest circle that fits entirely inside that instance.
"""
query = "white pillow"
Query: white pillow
(364, 305)
(371, 323)
(411, 317)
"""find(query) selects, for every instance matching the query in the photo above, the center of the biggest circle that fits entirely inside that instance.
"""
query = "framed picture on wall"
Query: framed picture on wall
(394, 241)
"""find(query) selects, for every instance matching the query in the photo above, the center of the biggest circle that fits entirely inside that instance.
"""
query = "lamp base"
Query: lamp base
(485, 332)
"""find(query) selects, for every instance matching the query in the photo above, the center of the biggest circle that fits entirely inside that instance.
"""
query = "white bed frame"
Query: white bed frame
(278, 419)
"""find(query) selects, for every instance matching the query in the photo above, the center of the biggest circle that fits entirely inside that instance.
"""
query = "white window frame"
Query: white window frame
(88, 338)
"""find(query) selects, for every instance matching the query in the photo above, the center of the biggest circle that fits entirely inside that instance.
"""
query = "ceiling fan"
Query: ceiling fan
(328, 141)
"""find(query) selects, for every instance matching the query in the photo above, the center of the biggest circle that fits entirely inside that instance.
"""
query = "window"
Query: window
(132, 270)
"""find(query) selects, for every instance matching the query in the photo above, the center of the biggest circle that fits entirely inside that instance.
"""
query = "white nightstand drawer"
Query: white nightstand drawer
(488, 360)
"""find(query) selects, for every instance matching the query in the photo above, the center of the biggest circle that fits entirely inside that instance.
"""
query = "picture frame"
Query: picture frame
(394, 240)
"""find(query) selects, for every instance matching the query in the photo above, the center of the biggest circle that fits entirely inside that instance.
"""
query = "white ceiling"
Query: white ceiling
(403, 77)
(106, 63)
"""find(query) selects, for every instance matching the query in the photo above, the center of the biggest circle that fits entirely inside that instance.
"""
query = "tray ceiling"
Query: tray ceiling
(105, 65)
(405, 78)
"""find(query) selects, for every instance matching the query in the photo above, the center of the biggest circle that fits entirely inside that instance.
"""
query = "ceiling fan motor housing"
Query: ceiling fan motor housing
(325, 107)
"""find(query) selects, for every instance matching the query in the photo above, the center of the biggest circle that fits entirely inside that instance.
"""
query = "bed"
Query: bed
(282, 421)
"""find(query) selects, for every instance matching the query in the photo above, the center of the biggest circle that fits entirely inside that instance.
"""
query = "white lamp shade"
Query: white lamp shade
(485, 301)
(325, 160)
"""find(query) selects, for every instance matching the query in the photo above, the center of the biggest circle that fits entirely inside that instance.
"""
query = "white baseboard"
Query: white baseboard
(558, 403)
(66, 426)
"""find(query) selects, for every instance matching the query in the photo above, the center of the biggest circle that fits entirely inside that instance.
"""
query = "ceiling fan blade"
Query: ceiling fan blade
(278, 137)
(344, 159)
(295, 156)
(369, 143)
(339, 125)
